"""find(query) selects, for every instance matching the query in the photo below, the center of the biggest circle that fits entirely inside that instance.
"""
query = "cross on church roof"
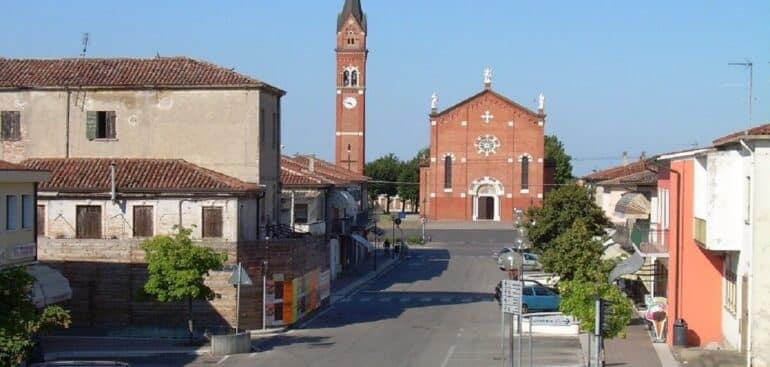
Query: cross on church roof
(487, 116)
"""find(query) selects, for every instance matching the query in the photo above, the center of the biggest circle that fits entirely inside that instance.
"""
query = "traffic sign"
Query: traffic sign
(510, 299)
(239, 277)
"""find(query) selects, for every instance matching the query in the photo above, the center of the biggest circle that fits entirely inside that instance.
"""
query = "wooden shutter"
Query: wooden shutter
(92, 122)
(212, 222)
(110, 132)
(40, 220)
(143, 221)
(448, 172)
(11, 125)
(525, 173)
(89, 221)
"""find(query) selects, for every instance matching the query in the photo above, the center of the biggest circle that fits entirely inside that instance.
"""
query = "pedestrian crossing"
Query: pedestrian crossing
(370, 298)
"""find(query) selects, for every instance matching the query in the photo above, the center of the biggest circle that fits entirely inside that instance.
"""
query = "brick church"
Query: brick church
(486, 158)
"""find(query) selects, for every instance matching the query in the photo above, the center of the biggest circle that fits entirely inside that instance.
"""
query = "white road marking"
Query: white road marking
(448, 355)
(223, 359)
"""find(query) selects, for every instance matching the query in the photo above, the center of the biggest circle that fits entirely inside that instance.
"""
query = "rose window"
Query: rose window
(487, 144)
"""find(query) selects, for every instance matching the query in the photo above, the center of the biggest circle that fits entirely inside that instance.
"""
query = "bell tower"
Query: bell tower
(350, 133)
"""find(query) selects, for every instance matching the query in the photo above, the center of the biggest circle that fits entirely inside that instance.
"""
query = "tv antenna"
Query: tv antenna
(749, 65)
(86, 37)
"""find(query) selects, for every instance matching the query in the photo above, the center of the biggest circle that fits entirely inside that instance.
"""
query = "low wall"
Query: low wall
(222, 345)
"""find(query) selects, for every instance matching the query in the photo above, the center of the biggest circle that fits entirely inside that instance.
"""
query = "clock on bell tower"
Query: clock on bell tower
(350, 133)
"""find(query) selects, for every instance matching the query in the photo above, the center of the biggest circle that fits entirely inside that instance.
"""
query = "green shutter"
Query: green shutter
(91, 122)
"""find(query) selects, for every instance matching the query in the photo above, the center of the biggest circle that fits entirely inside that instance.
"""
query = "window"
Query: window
(351, 38)
(448, 172)
(300, 213)
(542, 291)
(11, 213)
(524, 173)
(143, 221)
(278, 312)
(527, 291)
(354, 78)
(41, 220)
(100, 125)
(11, 125)
(27, 215)
(731, 291)
(346, 78)
(88, 222)
(278, 292)
(212, 222)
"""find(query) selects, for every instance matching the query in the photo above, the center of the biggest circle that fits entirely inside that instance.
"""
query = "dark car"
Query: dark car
(535, 297)
(82, 364)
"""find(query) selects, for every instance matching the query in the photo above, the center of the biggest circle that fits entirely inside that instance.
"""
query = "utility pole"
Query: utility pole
(749, 65)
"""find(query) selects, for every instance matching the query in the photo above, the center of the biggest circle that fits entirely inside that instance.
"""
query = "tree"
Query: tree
(561, 208)
(177, 268)
(578, 300)
(386, 168)
(19, 319)
(554, 151)
(575, 254)
(409, 177)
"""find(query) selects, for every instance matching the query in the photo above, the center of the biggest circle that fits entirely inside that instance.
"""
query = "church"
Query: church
(486, 158)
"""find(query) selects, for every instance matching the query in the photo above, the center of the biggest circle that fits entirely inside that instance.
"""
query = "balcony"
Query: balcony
(648, 242)
(699, 231)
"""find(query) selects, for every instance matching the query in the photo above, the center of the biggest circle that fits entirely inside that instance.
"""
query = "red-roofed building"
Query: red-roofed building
(151, 108)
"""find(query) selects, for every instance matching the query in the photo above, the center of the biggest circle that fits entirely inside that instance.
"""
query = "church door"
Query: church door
(486, 208)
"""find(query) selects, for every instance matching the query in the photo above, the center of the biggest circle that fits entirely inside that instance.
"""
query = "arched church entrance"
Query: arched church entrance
(486, 193)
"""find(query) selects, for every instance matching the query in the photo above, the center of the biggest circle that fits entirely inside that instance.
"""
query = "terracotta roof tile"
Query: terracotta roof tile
(759, 130)
(295, 171)
(134, 175)
(120, 73)
(645, 177)
(616, 172)
(8, 166)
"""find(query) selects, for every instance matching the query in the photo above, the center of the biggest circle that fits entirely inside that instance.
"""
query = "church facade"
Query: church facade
(486, 159)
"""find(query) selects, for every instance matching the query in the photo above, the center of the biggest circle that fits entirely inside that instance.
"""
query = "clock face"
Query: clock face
(349, 102)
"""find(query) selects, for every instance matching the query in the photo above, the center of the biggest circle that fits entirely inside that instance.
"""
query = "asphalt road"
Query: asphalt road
(434, 309)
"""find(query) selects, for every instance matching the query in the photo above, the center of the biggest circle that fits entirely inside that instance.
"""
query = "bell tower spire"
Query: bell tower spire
(351, 53)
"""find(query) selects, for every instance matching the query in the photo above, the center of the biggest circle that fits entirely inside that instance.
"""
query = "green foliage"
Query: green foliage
(554, 151)
(386, 168)
(19, 320)
(177, 267)
(575, 254)
(578, 300)
(410, 172)
(561, 208)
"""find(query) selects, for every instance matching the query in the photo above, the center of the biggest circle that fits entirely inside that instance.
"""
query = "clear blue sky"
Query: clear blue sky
(618, 75)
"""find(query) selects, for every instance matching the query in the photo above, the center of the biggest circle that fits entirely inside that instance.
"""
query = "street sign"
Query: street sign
(244, 278)
(511, 296)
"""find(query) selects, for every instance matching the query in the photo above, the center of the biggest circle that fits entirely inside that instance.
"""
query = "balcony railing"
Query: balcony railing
(700, 231)
(649, 242)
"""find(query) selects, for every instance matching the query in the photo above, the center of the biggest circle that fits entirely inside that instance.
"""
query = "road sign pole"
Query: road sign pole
(531, 357)
(238, 301)
(502, 334)
(521, 308)
(598, 331)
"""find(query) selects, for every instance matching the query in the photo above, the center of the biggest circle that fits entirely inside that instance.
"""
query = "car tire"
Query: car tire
(524, 308)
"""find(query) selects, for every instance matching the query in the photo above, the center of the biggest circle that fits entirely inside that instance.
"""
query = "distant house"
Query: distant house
(321, 198)
(155, 108)
(19, 224)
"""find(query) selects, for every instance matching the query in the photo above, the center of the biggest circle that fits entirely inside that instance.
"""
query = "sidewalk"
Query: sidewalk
(636, 350)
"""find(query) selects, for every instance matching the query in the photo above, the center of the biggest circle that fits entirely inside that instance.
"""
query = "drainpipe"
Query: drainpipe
(113, 188)
(751, 255)
(291, 211)
(67, 127)
(260, 196)
(678, 243)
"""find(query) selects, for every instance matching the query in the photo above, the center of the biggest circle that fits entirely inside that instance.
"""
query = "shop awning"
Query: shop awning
(362, 241)
(50, 286)
(633, 205)
(343, 200)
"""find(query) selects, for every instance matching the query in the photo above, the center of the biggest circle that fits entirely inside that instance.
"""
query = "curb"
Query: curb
(53, 356)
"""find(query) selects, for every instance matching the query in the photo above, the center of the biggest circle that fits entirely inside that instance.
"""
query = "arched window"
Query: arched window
(346, 78)
(351, 38)
(525, 173)
(354, 78)
(448, 172)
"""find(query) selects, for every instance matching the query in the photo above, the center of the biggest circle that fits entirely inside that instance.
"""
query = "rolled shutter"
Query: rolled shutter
(92, 120)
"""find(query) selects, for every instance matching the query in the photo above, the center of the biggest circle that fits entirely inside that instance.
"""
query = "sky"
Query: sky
(634, 76)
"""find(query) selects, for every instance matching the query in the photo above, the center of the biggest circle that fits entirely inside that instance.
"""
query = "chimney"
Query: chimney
(311, 162)
(113, 188)
(625, 158)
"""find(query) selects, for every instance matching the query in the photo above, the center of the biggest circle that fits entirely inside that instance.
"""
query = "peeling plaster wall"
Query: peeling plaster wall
(760, 294)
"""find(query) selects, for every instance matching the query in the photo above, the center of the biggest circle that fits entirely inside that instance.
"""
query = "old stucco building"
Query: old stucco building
(486, 159)
(158, 108)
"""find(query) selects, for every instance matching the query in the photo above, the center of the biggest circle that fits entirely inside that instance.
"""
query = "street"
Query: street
(434, 309)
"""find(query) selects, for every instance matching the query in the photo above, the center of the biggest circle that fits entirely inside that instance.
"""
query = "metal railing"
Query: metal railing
(648, 241)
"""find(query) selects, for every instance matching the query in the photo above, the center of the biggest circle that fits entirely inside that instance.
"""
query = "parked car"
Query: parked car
(535, 297)
(531, 261)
